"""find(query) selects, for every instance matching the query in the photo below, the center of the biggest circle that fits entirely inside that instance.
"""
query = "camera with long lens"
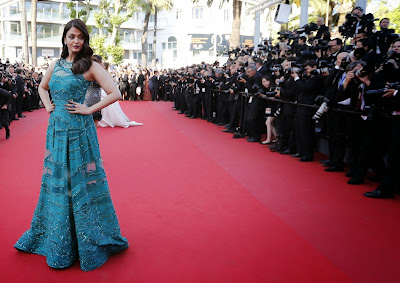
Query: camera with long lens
(348, 29)
(276, 68)
(372, 96)
(294, 68)
(388, 64)
(322, 109)
(320, 45)
(308, 28)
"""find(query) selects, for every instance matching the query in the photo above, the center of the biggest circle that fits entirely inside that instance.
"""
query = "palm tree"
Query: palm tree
(24, 32)
(151, 7)
(34, 32)
(158, 5)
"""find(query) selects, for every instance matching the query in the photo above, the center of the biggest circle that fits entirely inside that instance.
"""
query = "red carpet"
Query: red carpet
(199, 206)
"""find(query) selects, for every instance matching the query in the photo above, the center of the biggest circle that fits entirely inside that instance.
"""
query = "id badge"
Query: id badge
(203, 89)
(251, 99)
(268, 111)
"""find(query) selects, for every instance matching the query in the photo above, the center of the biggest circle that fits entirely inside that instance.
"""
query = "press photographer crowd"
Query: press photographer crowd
(308, 85)
(18, 92)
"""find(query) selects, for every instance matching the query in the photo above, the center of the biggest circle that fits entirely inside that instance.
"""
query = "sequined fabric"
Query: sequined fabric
(93, 95)
(74, 218)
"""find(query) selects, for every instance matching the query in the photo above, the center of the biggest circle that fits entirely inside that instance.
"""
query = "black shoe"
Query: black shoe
(181, 112)
(356, 181)
(227, 131)
(306, 159)
(334, 169)
(378, 193)
(286, 151)
(21, 116)
(253, 140)
(204, 118)
(349, 174)
(193, 117)
(15, 119)
(296, 155)
(238, 136)
(328, 164)
(7, 134)
(227, 126)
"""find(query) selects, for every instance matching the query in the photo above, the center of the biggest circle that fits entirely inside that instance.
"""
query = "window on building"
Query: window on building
(14, 9)
(15, 28)
(197, 13)
(151, 20)
(163, 46)
(171, 42)
(172, 45)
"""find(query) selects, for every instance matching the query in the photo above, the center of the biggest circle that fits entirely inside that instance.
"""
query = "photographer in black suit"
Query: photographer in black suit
(322, 28)
(5, 102)
(20, 93)
(383, 38)
(155, 79)
(310, 87)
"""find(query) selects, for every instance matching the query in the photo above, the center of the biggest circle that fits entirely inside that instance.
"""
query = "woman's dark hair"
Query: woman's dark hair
(97, 58)
(268, 78)
(82, 61)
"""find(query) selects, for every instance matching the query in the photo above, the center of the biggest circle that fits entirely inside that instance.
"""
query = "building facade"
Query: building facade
(188, 33)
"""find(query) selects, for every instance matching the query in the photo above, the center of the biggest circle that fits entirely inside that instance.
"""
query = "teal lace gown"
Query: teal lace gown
(74, 218)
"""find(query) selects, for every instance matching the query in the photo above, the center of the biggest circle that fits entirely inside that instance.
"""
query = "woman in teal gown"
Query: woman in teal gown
(74, 218)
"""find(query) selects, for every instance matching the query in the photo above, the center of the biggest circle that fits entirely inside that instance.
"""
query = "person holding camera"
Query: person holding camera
(253, 120)
(366, 129)
(20, 93)
(311, 88)
(322, 28)
(5, 102)
(291, 86)
(364, 22)
(383, 38)
(390, 178)
(336, 130)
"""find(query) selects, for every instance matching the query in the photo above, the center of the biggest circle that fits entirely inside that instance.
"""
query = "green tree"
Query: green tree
(24, 31)
(111, 15)
(83, 14)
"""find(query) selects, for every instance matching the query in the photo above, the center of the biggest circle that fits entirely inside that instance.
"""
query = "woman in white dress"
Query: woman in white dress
(112, 115)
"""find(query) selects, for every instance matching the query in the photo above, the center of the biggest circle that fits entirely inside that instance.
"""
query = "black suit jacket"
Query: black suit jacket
(156, 82)
(140, 80)
(20, 85)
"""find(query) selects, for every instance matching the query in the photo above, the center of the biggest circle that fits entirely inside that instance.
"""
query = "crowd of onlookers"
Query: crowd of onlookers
(18, 92)
(308, 85)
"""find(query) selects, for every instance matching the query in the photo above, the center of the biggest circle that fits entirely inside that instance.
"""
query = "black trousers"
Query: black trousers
(391, 177)
(155, 94)
(196, 106)
(287, 137)
(366, 137)
(255, 117)
(19, 102)
(305, 131)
